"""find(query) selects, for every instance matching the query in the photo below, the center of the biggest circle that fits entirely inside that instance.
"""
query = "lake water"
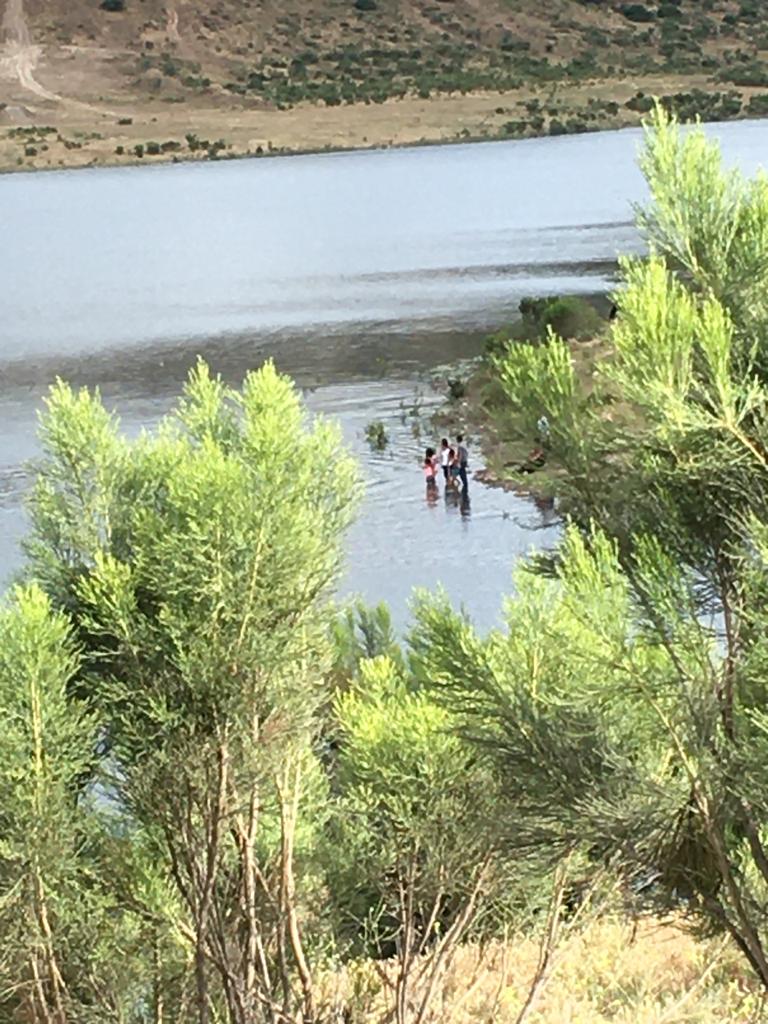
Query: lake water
(360, 273)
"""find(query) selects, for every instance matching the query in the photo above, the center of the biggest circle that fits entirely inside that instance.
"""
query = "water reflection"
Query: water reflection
(457, 500)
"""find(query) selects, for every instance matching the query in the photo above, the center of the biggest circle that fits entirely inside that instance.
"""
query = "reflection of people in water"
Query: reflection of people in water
(456, 499)
(546, 508)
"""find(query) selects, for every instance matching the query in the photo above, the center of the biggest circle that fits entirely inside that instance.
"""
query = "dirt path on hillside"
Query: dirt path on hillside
(19, 55)
(172, 24)
(171, 27)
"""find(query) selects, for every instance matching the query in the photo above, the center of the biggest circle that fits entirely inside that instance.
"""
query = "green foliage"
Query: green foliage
(196, 565)
(412, 818)
(360, 633)
(688, 106)
(567, 315)
(637, 731)
(457, 388)
(59, 930)
(745, 75)
(637, 12)
(376, 435)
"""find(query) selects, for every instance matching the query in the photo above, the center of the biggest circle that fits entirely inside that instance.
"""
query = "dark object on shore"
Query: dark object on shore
(457, 388)
(614, 312)
(535, 460)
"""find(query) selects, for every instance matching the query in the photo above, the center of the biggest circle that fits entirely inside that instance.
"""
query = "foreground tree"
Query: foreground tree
(61, 938)
(416, 863)
(632, 722)
(195, 564)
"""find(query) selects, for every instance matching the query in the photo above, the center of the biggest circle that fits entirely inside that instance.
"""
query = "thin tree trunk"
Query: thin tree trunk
(749, 935)
(289, 889)
(158, 1008)
(55, 980)
(548, 943)
(213, 828)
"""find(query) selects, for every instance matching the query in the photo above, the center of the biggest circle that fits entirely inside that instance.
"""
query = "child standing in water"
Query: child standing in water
(455, 468)
(430, 468)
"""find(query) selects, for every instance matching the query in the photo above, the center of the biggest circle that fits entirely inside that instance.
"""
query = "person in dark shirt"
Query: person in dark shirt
(463, 458)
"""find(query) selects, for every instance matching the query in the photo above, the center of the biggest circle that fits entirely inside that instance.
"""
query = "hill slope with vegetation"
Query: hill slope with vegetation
(364, 72)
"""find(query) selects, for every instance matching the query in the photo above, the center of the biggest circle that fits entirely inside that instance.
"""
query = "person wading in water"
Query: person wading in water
(463, 459)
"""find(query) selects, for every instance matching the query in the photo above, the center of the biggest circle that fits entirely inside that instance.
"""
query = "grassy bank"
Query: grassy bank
(476, 401)
(614, 970)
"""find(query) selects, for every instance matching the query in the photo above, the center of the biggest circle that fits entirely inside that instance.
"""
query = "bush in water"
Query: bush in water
(376, 435)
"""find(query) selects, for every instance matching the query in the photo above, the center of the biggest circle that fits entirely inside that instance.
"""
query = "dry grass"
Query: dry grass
(612, 971)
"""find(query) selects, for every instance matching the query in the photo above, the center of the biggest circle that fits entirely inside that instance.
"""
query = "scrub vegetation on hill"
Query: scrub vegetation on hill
(224, 799)
(337, 51)
(459, 69)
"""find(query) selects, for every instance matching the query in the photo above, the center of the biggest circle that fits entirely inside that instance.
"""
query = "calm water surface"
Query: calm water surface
(358, 273)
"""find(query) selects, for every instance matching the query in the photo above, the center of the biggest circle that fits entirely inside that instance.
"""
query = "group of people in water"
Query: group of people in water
(453, 460)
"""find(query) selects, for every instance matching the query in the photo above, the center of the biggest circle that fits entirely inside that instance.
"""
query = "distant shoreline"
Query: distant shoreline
(278, 154)
(69, 136)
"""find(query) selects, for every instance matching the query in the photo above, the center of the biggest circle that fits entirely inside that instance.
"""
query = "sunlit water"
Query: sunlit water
(359, 273)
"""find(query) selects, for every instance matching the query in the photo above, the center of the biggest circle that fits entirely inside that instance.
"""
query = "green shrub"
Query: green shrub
(457, 388)
(514, 128)
(569, 316)
(410, 837)
(758, 105)
(748, 75)
(113, 6)
(153, 149)
(640, 102)
(637, 13)
(376, 435)
(366, 5)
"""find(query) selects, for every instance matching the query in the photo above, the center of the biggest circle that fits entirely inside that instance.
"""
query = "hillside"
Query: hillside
(269, 75)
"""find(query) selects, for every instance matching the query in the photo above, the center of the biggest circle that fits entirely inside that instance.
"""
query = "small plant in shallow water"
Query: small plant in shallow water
(457, 388)
(376, 435)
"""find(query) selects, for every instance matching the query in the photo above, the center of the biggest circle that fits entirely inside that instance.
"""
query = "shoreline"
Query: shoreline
(65, 136)
(330, 150)
(483, 412)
